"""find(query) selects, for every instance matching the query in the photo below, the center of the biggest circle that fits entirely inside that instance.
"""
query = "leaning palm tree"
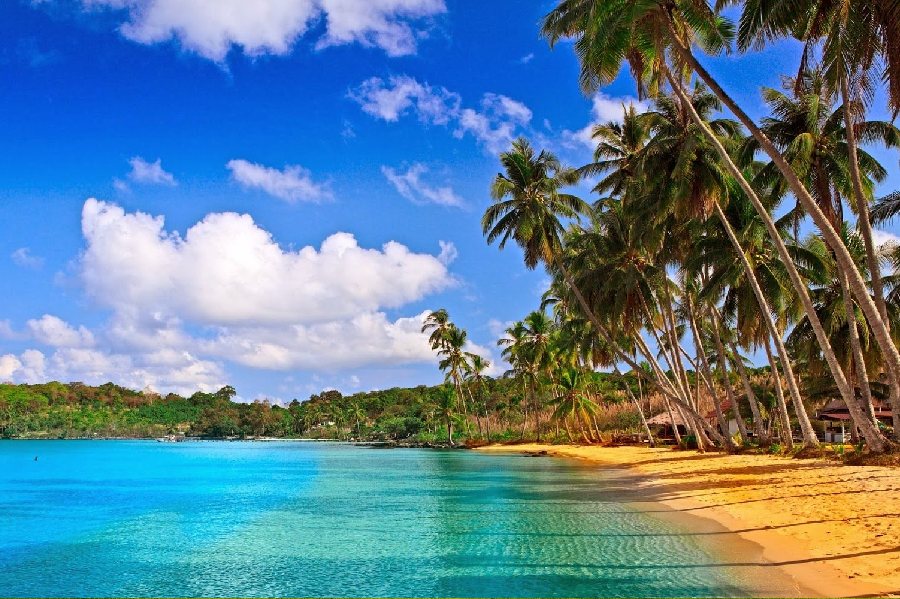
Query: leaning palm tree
(853, 35)
(527, 208)
(686, 179)
(610, 32)
(616, 263)
(851, 335)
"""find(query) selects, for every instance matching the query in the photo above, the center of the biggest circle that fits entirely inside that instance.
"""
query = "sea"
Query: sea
(305, 519)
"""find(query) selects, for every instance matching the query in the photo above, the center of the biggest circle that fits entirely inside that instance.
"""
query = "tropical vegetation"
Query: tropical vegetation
(688, 256)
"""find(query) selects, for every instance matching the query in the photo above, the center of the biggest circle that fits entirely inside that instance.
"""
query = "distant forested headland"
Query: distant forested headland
(498, 409)
(74, 410)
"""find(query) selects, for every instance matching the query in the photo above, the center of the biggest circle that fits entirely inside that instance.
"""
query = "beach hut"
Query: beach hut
(663, 428)
(839, 424)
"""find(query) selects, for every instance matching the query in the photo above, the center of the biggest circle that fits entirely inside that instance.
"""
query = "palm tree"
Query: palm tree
(610, 32)
(528, 205)
(616, 262)
(687, 180)
(438, 322)
(850, 333)
(617, 152)
(358, 414)
(446, 407)
(853, 34)
(474, 376)
(454, 360)
(574, 402)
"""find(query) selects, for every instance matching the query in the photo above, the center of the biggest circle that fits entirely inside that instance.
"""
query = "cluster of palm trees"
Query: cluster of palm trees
(691, 252)
(464, 372)
(552, 359)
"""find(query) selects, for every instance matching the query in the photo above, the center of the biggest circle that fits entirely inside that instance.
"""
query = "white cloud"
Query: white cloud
(449, 253)
(183, 307)
(498, 327)
(411, 186)
(391, 99)
(880, 238)
(27, 367)
(54, 331)
(369, 338)
(211, 28)
(24, 258)
(495, 367)
(94, 367)
(378, 23)
(227, 270)
(604, 109)
(493, 125)
(7, 332)
(10, 365)
(292, 184)
(526, 59)
(148, 172)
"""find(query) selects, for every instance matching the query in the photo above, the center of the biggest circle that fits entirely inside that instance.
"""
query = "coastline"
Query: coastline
(832, 529)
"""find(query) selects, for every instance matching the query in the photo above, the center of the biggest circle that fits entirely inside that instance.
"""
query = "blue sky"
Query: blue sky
(171, 171)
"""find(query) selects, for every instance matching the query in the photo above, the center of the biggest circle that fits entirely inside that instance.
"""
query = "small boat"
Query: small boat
(170, 439)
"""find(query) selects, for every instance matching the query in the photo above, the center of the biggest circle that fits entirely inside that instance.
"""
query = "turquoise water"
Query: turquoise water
(138, 518)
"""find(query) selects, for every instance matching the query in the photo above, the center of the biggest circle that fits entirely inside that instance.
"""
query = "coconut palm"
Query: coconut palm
(574, 402)
(528, 208)
(686, 180)
(446, 408)
(474, 377)
(438, 322)
(617, 152)
(848, 327)
(610, 32)
(454, 360)
(615, 262)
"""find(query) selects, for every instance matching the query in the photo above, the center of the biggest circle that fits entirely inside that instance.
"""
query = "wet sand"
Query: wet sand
(831, 530)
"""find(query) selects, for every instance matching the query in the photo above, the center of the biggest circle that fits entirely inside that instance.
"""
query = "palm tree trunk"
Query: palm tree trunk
(667, 350)
(809, 437)
(640, 410)
(704, 432)
(672, 333)
(864, 221)
(584, 435)
(596, 428)
(726, 382)
(844, 260)
(879, 442)
(758, 424)
(707, 375)
(672, 420)
(865, 407)
(786, 437)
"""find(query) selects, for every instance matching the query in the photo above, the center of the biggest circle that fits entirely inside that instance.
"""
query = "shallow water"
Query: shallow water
(138, 518)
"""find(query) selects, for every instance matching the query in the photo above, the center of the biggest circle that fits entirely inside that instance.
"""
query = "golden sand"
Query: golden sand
(835, 529)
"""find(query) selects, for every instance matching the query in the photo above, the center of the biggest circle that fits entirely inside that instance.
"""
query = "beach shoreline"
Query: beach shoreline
(838, 542)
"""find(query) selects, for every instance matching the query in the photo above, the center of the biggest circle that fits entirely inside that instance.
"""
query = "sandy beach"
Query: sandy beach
(832, 528)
